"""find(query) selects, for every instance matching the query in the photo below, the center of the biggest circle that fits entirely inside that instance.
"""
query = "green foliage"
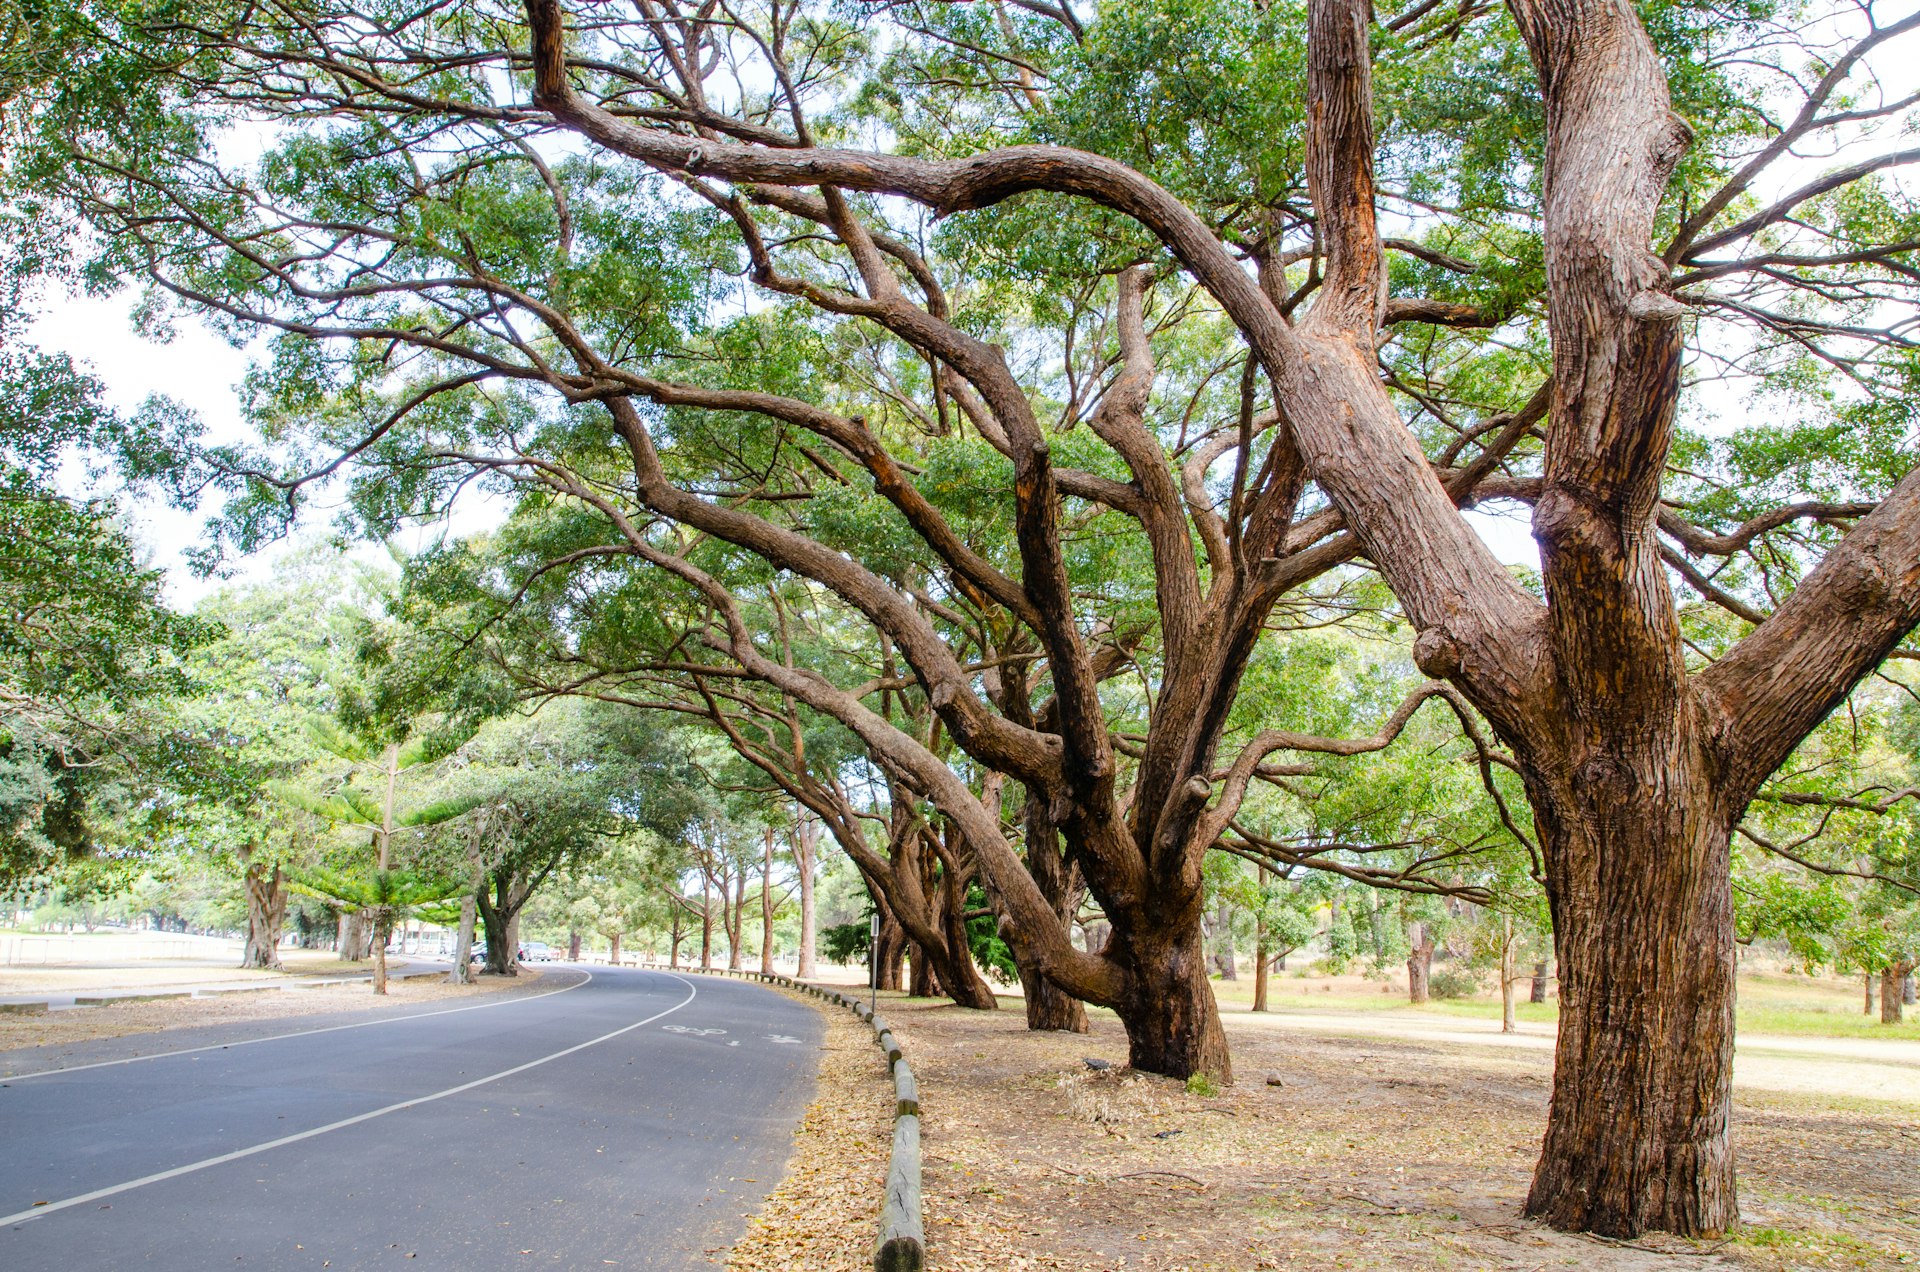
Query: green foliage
(90, 655)
(845, 943)
(1451, 982)
(988, 950)
(389, 895)
(1342, 945)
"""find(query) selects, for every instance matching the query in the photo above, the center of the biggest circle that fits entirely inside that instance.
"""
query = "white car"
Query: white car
(537, 952)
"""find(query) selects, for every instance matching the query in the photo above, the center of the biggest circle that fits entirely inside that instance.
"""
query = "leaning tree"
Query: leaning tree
(1475, 274)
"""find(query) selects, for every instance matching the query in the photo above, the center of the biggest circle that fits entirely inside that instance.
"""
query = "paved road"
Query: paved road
(630, 1120)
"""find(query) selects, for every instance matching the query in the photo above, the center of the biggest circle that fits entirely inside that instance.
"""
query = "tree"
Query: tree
(378, 814)
(382, 896)
(1607, 225)
(90, 656)
(283, 657)
(560, 789)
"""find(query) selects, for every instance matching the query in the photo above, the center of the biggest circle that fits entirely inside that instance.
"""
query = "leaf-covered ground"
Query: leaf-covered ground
(826, 1212)
(1374, 1152)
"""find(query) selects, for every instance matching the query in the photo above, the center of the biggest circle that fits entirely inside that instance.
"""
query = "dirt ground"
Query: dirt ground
(1375, 1152)
(88, 1024)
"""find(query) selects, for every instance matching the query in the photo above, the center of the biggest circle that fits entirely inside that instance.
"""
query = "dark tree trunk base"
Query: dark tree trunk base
(1050, 1008)
(1637, 1136)
(1172, 1021)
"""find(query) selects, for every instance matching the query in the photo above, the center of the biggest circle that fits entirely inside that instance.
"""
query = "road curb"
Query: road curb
(902, 1244)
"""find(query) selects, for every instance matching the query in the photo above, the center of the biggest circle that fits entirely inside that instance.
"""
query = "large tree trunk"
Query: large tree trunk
(1419, 964)
(1538, 992)
(463, 941)
(706, 922)
(673, 952)
(382, 933)
(766, 909)
(1509, 973)
(1891, 996)
(500, 908)
(1642, 904)
(1172, 1021)
(573, 947)
(1225, 957)
(1049, 1007)
(804, 841)
(501, 960)
(613, 949)
(921, 982)
(890, 951)
(266, 912)
(736, 920)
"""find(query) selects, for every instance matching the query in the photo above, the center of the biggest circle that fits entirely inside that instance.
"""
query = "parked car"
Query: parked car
(538, 952)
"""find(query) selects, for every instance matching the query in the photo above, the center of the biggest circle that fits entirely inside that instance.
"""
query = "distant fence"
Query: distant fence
(902, 1246)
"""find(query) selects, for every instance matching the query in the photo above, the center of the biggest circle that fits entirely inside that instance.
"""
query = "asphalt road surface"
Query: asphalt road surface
(626, 1119)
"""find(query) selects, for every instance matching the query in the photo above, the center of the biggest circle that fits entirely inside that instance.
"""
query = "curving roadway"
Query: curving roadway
(622, 1119)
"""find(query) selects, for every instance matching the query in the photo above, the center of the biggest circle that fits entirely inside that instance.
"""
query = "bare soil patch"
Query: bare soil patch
(1376, 1152)
(90, 1024)
(826, 1212)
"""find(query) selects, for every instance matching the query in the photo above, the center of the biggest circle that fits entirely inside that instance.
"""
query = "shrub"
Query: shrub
(1453, 984)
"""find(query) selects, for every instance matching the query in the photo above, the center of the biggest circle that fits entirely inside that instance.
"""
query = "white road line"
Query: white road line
(8, 1221)
(8, 1078)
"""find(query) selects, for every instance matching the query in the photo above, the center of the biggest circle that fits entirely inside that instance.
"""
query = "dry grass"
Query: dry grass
(826, 1212)
(90, 1024)
(1375, 1153)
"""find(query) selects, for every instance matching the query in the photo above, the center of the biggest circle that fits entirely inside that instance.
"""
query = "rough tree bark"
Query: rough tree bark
(706, 922)
(1509, 973)
(1225, 958)
(736, 921)
(266, 912)
(382, 934)
(1537, 992)
(766, 907)
(1419, 963)
(1892, 995)
(499, 900)
(463, 941)
(805, 844)
(356, 938)
(889, 952)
